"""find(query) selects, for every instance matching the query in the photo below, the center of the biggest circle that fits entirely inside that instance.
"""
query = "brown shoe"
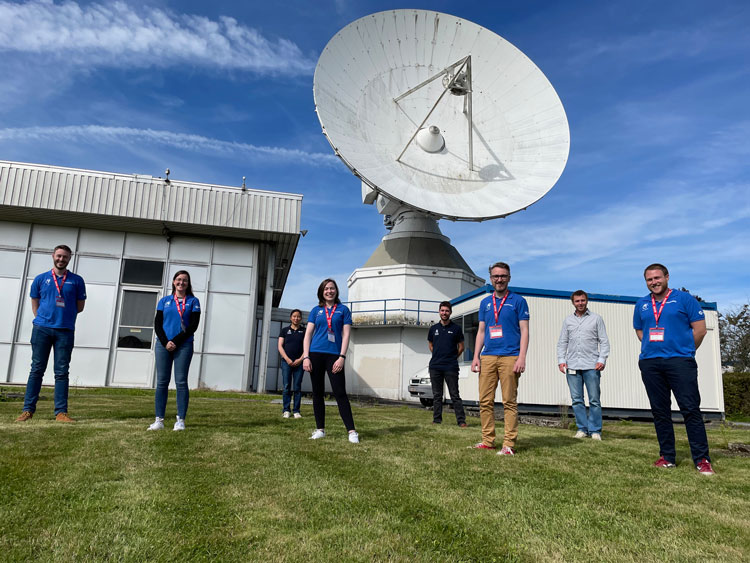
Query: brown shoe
(25, 415)
(63, 417)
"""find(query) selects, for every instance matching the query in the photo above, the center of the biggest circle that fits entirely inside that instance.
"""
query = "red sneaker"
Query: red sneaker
(661, 462)
(704, 467)
(482, 446)
(507, 450)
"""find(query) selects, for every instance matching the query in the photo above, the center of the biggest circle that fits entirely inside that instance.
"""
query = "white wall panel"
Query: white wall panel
(226, 323)
(145, 246)
(94, 324)
(27, 316)
(101, 242)
(102, 270)
(9, 288)
(14, 234)
(88, 367)
(47, 237)
(233, 253)
(190, 249)
(133, 368)
(235, 279)
(39, 262)
(4, 359)
(12, 262)
(21, 364)
(222, 372)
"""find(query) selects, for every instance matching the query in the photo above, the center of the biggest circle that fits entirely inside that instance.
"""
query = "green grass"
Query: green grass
(242, 484)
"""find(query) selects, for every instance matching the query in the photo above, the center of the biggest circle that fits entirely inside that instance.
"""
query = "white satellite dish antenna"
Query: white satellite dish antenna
(439, 115)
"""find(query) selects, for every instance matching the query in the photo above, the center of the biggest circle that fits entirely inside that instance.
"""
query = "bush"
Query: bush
(737, 394)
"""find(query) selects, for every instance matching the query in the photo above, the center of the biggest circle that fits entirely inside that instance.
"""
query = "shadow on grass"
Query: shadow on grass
(391, 430)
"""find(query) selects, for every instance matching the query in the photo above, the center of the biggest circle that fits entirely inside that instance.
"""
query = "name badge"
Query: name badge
(656, 334)
(60, 302)
(496, 331)
(331, 336)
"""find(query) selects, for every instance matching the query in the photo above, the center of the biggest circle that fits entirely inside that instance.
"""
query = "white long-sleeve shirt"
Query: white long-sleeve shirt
(583, 341)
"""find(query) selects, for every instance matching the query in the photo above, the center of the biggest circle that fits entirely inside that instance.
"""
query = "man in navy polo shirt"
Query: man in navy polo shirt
(500, 355)
(671, 326)
(57, 297)
(446, 341)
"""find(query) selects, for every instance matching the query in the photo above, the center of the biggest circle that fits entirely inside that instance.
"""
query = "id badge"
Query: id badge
(656, 334)
(60, 302)
(496, 331)
(331, 336)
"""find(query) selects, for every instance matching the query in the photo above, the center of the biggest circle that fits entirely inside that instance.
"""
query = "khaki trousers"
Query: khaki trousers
(494, 368)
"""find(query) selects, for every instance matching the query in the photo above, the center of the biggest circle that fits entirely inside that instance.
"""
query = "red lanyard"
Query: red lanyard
(329, 318)
(54, 278)
(653, 306)
(184, 304)
(494, 305)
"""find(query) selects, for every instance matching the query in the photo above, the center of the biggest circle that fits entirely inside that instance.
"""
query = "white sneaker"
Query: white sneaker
(158, 424)
(286, 414)
(179, 425)
(318, 434)
(354, 437)
(297, 415)
(596, 436)
(580, 434)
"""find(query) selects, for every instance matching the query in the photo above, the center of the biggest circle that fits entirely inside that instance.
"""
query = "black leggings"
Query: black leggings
(322, 363)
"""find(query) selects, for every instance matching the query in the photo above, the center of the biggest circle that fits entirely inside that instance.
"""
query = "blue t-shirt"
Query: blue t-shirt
(320, 343)
(445, 341)
(679, 311)
(514, 310)
(49, 314)
(172, 323)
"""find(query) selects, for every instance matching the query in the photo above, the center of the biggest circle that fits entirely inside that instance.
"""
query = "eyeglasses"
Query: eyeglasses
(500, 277)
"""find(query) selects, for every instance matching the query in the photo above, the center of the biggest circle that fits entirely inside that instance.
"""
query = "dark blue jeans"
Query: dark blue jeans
(43, 340)
(292, 376)
(663, 376)
(180, 358)
(437, 376)
(590, 377)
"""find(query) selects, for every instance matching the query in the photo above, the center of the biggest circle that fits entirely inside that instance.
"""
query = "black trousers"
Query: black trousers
(437, 376)
(322, 363)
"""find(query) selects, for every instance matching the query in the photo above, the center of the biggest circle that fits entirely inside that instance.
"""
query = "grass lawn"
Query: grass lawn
(243, 484)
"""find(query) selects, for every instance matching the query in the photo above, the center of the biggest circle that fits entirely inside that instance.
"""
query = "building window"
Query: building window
(136, 328)
(142, 272)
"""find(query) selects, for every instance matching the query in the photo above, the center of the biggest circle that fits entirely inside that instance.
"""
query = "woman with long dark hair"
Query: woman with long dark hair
(177, 318)
(326, 340)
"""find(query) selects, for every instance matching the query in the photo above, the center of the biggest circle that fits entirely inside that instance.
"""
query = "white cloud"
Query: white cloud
(96, 134)
(117, 35)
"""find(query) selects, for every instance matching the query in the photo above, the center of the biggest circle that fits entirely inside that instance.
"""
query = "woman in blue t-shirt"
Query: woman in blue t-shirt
(326, 341)
(177, 318)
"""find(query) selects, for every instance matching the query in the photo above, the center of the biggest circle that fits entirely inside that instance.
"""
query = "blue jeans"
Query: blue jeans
(43, 340)
(180, 358)
(292, 375)
(662, 377)
(576, 380)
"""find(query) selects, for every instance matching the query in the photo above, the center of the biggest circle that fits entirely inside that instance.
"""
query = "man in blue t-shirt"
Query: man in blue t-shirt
(57, 297)
(446, 341)
(500, 355)
(671, 326)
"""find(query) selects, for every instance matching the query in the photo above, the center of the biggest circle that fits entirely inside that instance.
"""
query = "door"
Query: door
(133, 365)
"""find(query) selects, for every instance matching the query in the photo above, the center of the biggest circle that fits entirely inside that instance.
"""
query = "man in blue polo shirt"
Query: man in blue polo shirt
(500, 355)
(671, 326)
(57, 297)
(446, 341)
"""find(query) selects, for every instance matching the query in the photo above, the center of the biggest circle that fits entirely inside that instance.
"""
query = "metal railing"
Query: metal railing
(394, 311)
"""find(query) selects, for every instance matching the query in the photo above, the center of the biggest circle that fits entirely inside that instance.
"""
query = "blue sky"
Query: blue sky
(656, 95)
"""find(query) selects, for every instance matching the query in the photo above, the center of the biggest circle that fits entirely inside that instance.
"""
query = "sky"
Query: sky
(656, 95)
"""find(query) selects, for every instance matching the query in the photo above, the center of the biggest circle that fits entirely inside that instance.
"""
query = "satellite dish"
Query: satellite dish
(440, 115)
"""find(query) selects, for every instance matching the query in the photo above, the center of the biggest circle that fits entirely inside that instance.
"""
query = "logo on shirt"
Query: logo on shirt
(437, 332)
(47, 281)
(645, 307)
(700, 312)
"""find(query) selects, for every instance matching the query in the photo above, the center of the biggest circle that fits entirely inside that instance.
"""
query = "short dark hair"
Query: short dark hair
(321, 287)
(64, 247)
(578, 293)
(656, 267)
(502, 265)
(189, 290)
(446, 304)
(295, 311)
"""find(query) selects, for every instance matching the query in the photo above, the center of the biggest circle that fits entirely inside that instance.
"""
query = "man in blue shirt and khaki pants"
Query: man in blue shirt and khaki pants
(671, 326)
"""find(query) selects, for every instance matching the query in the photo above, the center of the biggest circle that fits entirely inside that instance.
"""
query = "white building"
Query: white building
(129, 234)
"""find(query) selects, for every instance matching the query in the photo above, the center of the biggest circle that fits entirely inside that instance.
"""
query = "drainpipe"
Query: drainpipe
(265, 328)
